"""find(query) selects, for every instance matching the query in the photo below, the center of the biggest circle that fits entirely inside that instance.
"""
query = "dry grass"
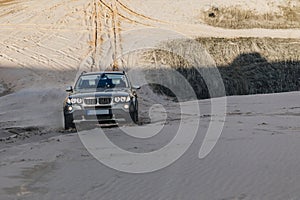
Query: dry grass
(247, 65)
(238, 18)
(224, 51)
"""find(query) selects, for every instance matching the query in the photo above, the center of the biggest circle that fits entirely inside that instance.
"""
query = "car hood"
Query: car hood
(100, 94)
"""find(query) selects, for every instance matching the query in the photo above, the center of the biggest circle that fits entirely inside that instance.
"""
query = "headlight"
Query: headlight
(74, 101)
(117, 99)
(121, 99)
(79, 100)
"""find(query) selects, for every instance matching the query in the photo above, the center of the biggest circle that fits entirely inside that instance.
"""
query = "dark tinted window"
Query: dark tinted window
(101, 81)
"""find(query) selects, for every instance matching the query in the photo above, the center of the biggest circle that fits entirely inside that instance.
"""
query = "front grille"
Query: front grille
(90, 101)
(97, 107)
(104, 100)
(99, 117)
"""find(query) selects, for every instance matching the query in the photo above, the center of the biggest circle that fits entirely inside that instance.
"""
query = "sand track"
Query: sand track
(42, 45)
(64, 30)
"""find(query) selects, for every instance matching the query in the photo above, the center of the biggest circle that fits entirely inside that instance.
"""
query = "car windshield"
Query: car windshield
(101, 82)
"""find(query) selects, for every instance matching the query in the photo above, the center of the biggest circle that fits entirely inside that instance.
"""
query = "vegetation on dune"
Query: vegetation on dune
(225, 50)
(247, 65)
(238, 18)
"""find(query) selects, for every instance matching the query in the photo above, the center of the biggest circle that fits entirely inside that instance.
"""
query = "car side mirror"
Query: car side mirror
(136, 87)
(69, 89)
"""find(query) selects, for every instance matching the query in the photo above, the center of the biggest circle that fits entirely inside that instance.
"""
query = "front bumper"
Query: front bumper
(117, 113)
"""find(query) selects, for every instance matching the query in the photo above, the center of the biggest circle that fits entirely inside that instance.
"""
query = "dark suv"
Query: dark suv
(102, 97)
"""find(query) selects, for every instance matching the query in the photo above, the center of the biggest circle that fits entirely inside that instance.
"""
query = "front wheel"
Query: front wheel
(135, 114)
(135, 117)
(68, 122)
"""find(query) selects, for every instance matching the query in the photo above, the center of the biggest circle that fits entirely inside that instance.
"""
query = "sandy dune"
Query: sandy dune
(42, 46)
(255, 158)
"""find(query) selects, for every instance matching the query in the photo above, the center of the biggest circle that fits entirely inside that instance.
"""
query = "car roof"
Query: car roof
(103, 72)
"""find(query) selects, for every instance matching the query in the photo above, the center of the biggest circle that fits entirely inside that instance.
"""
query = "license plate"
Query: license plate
(97, 112)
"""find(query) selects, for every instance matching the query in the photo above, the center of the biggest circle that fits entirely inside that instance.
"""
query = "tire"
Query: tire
(68, 122)
(135, 114)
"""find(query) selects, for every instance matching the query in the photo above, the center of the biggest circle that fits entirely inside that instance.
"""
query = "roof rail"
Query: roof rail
(83, 72)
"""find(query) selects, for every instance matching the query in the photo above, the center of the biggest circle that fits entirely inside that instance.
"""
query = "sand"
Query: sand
(42, 46)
